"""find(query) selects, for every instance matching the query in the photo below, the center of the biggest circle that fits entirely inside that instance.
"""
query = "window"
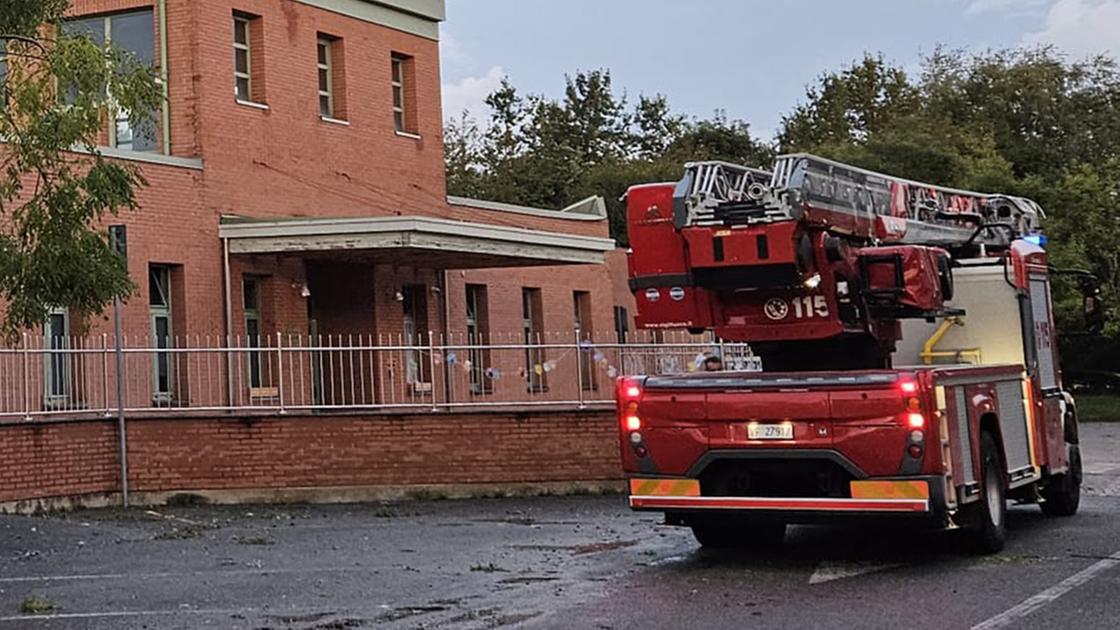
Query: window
(478, 334)
(415, 323)
(581, 301)
(403, 109)
(132, 32)
(159, 309)
(326, 99)
(533, 326)
(251, 302)
(242, 59)
(621, 324)
(57, 362)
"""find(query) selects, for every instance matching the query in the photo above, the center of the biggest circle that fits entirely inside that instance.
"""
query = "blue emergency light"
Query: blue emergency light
(1036, 239)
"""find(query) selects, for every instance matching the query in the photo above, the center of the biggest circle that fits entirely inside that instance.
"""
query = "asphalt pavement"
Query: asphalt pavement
(548, 562)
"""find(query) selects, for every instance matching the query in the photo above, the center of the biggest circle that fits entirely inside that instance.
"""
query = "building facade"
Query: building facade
(297, 192)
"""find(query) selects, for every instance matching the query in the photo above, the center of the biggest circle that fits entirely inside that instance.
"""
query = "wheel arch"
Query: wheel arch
(989, 423)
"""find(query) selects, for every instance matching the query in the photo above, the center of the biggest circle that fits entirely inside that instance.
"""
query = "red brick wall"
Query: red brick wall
(50, 460)
(171, 455)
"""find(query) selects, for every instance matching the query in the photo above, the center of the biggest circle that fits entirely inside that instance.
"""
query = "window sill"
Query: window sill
(335, 121)
(149, 157)
(405, 134)
(253, 104)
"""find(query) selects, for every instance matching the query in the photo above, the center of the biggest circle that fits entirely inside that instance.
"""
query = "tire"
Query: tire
(1062, 493)
(736, 534)
(988, 530)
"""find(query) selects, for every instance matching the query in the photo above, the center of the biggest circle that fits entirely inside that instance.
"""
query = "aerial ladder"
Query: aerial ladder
(813, 262)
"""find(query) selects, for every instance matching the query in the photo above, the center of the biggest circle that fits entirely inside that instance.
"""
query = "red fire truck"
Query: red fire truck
(906, 335)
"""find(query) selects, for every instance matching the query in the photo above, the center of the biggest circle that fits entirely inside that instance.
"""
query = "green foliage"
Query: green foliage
(55, 187)
(550, 153)
(1027, 122)
(36, 605)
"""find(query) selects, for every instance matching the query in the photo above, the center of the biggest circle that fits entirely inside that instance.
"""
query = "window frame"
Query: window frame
(585, 332)
(398, 81)
(243, 21)
(532, 316)
(56, 363)
(118, 116)
(478, 334)
(252, 313)
(325, 45)
(157, 312)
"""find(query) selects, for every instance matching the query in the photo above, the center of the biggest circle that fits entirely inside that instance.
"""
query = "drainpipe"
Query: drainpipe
(229, 319)
(165, 109)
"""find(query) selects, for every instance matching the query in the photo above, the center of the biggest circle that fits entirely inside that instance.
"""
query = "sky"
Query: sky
(751, 58)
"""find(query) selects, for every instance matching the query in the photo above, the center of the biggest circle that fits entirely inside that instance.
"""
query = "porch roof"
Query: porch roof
(411, 240)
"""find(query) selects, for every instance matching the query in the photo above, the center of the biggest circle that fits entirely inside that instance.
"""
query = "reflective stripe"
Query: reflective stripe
(792, 504)
(665, 487)
(886, 489)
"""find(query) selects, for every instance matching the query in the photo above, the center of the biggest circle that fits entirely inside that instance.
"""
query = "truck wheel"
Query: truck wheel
(1062, 493)
(735, 534)
(988, 531)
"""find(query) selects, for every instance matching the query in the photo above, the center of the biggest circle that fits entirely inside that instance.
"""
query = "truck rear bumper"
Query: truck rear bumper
(769, 504)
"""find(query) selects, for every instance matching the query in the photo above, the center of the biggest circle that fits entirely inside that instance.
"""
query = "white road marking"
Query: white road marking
(1101, 468)
(1008, 617)
(157, 575)
(829, 571)
(129, 613)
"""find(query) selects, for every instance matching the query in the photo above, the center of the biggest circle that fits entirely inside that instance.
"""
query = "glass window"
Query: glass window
(57, 340)
(132, 32)
(242, 62)
(621, 323)
(399, 120)
(533, 326)
(478, 334)
(581, 301)
(415, 327)
(159, 308)
(91, 27)
(326, 99)
(251, 295)
(135, 33)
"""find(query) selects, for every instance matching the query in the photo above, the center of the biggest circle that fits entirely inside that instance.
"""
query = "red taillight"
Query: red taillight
(630, 393)
(630, 389)
(908, 387)
(916, 420)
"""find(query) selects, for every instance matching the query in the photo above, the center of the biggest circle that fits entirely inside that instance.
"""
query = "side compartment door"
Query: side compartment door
(1047, 397)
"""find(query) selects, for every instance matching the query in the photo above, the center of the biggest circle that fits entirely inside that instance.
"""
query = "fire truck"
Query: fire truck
(906, 334)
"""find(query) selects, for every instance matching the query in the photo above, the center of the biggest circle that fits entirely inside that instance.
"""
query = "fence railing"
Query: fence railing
(75, 377)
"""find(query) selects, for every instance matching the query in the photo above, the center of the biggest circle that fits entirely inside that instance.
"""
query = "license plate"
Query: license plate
(756, 431)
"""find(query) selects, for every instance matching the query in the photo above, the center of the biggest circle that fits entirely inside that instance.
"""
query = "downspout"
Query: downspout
(229, 318)
(165, 109)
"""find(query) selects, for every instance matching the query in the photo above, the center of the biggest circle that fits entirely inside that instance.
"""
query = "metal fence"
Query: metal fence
(76, 377)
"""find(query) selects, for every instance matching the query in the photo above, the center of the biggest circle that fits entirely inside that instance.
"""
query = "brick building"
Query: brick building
(297, 187)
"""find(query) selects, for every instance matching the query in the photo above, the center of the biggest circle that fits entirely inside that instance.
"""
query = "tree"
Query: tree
(1026, 121)
(849, 106)
(542, 152)
(55, 186)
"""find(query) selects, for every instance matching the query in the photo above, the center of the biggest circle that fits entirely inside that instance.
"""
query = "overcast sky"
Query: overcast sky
(751, 58)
